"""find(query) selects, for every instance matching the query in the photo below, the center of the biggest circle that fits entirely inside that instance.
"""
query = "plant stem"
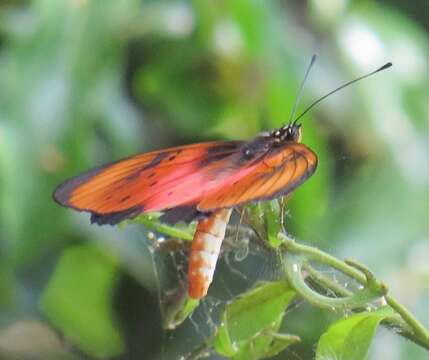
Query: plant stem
(420, 334)
(391, 322)
(323, 258)
(325, 282)
(293, 266)
(151, 222)
(409, 318)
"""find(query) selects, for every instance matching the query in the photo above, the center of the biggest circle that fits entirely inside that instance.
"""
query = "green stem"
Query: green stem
(409, 318)
(325, 282)
(404, 330)
(319, 256)
(396, 321)
(151, 222)
(293, 267)
(420, 333)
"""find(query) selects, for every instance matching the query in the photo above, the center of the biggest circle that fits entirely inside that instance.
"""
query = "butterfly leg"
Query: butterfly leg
(282, 204)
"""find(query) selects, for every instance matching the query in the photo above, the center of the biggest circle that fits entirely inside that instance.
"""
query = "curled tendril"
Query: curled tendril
(372, 291)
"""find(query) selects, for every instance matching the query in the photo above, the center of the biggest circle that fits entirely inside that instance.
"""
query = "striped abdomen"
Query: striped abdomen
(205, 252)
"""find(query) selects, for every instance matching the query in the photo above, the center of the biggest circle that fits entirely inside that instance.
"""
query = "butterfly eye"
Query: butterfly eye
(248, 154)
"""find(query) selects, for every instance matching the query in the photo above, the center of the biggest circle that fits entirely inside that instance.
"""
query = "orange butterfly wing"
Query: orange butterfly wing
(275, 174)
(189, 180)
(153, 181)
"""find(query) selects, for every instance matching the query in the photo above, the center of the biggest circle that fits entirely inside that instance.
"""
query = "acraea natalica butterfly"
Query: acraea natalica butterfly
(201, 182)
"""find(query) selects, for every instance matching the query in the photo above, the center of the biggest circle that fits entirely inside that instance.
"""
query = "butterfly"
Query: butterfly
(200, 182)
(194, 182)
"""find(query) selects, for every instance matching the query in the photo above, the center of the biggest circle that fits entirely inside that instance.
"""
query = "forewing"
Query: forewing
(276, 174)
(152, 181)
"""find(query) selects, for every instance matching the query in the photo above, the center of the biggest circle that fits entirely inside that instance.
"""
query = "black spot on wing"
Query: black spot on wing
(208, 160)
(220, 151)
(224, 147)
(114, 218)
(186, 214)
(156, 160)
(153, 163)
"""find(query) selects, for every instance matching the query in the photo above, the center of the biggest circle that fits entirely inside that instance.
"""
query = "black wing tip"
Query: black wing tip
(61, 195)
(62, 192)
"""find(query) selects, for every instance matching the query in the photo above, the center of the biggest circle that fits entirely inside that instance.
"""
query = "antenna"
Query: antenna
(301, 87)
(384, 67)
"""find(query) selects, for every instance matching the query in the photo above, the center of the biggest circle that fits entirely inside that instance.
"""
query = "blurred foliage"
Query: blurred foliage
(87, 81)
(72, 310)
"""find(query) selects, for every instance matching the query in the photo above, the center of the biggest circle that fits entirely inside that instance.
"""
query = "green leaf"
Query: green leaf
(250, 314)
(78, 300)
(265, 346)
(350, 338)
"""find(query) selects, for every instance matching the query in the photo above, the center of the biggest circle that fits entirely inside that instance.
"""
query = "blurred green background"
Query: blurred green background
(84, 82)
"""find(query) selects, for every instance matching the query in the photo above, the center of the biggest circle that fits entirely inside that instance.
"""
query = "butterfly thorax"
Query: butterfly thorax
(264, 144)
(287, 133)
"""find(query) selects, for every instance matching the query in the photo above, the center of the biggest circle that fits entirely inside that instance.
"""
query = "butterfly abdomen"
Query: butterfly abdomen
(206, 246)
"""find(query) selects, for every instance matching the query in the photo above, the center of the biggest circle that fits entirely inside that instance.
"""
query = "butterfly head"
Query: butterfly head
(287, 133)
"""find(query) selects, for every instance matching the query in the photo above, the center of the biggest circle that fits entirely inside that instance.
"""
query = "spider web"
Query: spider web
(244, 261)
